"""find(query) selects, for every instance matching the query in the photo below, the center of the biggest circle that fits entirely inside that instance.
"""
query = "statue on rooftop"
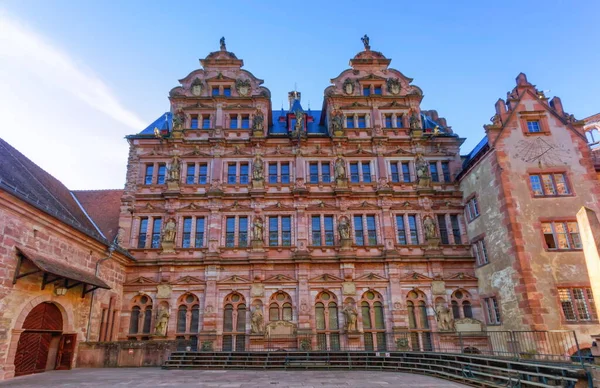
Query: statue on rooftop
(222, 42)
(365, 40)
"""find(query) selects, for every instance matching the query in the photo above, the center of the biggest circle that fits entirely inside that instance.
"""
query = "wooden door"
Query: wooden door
(32, 353)
(66, 350)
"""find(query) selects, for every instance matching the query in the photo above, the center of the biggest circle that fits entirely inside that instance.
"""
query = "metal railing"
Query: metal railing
(546, 346)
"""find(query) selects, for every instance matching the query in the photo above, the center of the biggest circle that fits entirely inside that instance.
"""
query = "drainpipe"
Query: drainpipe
(111, 249)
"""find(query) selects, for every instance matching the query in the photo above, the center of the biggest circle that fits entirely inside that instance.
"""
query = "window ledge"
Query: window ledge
(564, 250)
(536, 133)
(554, 196)
(595, 322)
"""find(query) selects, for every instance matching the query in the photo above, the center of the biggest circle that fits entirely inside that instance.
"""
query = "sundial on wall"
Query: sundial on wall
(543, 152)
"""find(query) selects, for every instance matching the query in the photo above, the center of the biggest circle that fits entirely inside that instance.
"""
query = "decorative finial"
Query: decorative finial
(223, 47)
(365, 40)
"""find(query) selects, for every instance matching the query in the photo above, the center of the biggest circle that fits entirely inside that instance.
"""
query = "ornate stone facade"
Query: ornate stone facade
(320, 219)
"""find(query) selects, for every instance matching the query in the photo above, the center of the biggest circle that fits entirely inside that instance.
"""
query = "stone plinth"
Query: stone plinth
(467, 325)
(172, 186)
(346, 243)
(168, 247)
(589, 229)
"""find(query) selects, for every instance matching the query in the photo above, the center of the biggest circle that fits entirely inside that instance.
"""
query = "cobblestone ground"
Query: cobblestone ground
(155, 377)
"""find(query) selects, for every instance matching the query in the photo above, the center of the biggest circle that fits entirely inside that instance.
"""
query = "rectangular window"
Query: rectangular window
(233, 122)
(215, 91)
(394, 172)
(313, 172)
(371, 230)
(399, 123)
(191, 174)
(578, 304)
(444, 238)
(231, 173)
(162, 172)
(492, 310)
(285, 173)
(203, 173)
(199, 237)
(329, 235)
(360, 172)
(549, 185)
(433, 170)
(149, 174)
(561, 235)
(362, 121)
(245, 121)
(455, 229)
(377, 90)
(194, 122)
(206, 122)
(143, 233)
(156, 225)
(388, 121)
(187, 233)
(244, 173)
(401, 230)
(405, 172)
(227, 91)
(480, 252)
(412, 227)
(316, 230)
(239, 237)
(325, 172)
(280, 231)
(359, 238)
(472, 209)
(366, 90)
(533, 126)
(272, 173)
(350, 122)
(446, 171)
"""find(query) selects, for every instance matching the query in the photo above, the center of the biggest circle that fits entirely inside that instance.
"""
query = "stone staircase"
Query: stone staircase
(468, 369)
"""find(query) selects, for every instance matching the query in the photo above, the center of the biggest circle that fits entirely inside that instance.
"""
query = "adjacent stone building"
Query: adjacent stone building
(345, 223)
(60, 276)
(522, 187)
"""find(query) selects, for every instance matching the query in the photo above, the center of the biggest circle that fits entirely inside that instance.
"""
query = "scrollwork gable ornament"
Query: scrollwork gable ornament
(243, 87)
(393, 85)
(196, 87)
(348, 86)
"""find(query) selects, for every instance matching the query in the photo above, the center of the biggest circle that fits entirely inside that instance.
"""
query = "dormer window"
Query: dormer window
(227, 91)
(215, 90)
(366, 90)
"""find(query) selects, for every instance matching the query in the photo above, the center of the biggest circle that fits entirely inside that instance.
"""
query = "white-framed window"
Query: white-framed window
(280, 230)
(480, 252)
(365, 229)
(360, 171)
(319, 172)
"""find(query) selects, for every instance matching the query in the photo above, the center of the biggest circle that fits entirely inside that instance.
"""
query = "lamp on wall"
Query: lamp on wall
(60, 290)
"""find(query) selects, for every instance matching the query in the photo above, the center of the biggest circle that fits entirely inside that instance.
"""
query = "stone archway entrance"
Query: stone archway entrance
(42, 345)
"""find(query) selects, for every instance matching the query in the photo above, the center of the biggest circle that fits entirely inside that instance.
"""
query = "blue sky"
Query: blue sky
(77, 76)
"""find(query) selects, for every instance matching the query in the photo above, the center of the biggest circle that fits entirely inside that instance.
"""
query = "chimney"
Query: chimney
(293, 96)
(556, 104)
(500, 108)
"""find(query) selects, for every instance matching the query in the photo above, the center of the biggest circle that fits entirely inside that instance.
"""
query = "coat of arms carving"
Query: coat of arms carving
(393, 85)
(196, 87)
(348, 86)
(243, 86)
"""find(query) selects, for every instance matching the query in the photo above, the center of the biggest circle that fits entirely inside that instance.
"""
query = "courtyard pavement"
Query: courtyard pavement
(155, 377)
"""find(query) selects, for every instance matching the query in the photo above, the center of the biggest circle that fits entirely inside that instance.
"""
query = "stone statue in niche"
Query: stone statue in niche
(422, 170)
(258, 121)
(429, 227)
(365, 41)
(243, 87)
(299, 121)
(257, 322)
(222, 43)
(257, 168)
(393, 85)
(196, 87)
(257, 229)
(350, 316)
(344, 228)
(348, 86)
(178, 120)
(340, 169)
(161, 323)
(415, 123)
(169, 232)
(174, 169)
(120, 238)
(337, 122)
(444, 318)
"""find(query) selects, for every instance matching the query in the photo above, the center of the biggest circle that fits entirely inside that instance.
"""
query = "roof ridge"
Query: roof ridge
(94, 190)
(25, 168)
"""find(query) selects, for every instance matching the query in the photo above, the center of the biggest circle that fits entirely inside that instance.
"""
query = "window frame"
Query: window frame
(542, 185)
(480, 252)
(588, 304)
(492, 311)
(237, 233)
(239, 177)
(568, 234)
(280, 233)
(360, 165)
(365, 232)
(322, 231)
(472, 208)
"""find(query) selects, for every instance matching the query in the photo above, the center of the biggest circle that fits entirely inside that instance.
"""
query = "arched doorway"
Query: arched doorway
(41, 345)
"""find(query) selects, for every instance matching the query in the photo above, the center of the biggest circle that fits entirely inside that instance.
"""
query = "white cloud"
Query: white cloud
(17, 42)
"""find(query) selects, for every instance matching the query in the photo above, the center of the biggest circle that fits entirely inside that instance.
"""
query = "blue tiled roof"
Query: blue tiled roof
(164, 122)
(475, 151)
(429, 123)
(313, 128)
